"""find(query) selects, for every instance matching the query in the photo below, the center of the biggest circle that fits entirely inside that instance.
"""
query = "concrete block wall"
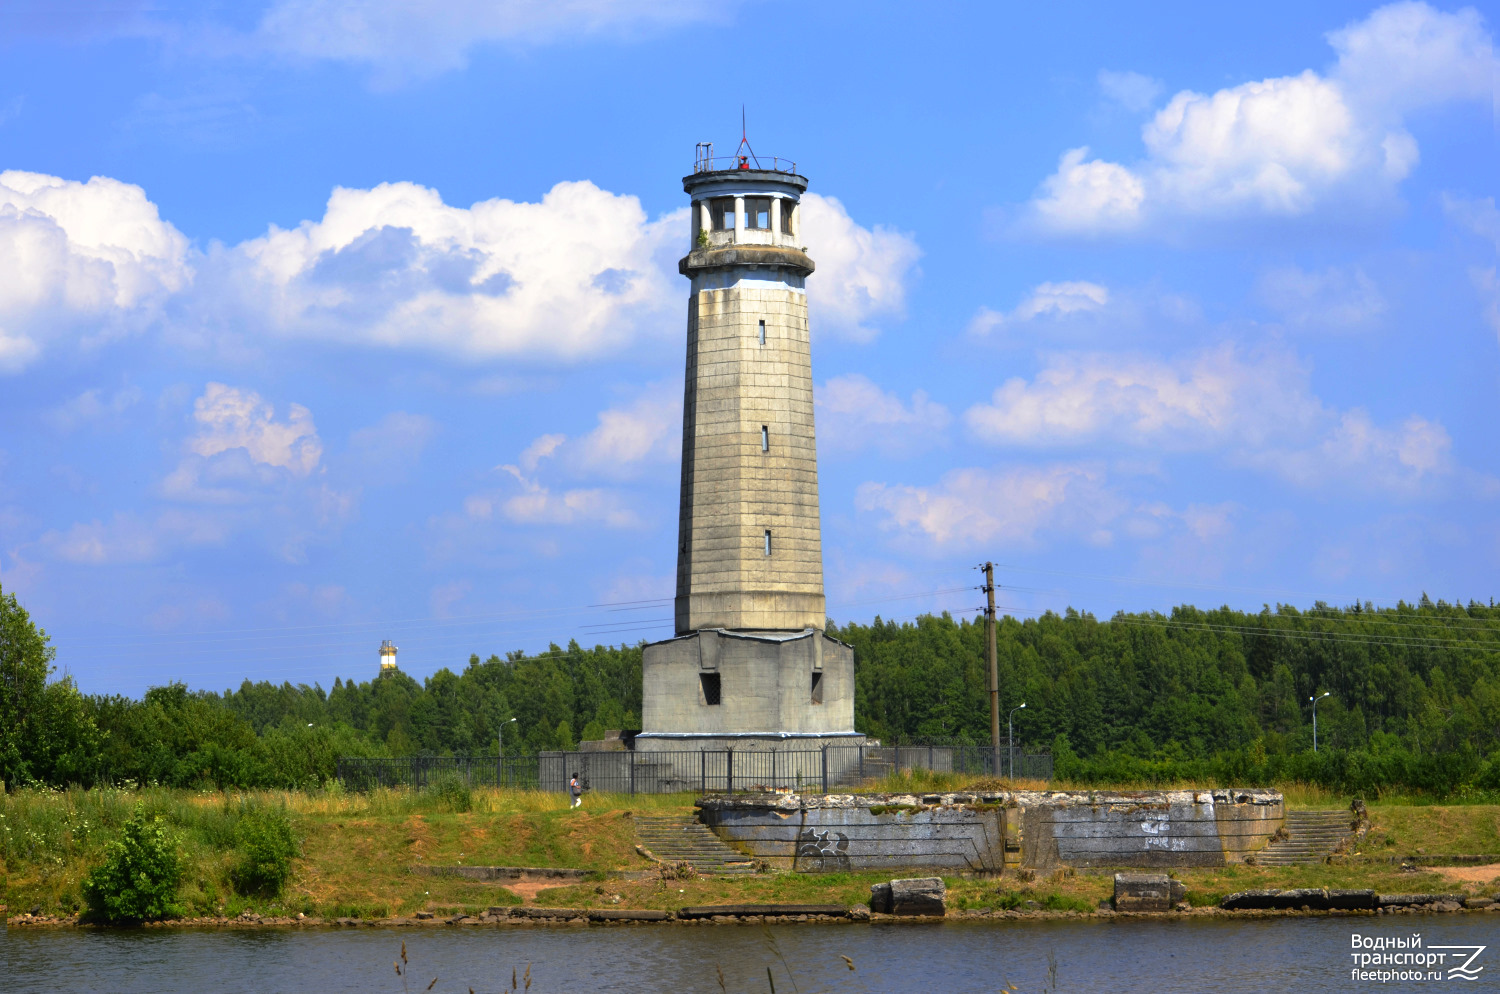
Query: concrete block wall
(1147, 828)
(824, 833)
(765, 688)
(966, 831)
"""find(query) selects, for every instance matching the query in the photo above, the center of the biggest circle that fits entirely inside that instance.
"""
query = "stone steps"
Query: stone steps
(1312, 836)
(682, 839)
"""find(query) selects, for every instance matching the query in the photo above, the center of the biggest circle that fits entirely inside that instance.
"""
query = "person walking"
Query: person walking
(577, 790)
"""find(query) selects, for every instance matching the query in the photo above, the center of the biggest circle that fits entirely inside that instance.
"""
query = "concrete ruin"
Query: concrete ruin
(1166, 828)
(986, 830)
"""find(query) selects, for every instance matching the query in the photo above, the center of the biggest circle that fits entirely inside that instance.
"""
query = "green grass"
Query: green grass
(357, 850)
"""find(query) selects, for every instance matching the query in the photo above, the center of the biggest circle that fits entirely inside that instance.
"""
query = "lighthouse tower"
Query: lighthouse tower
(750, 660)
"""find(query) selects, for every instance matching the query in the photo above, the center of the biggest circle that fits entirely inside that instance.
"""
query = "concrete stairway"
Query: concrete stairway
(683, 839)
(879, 762)
(1311, 837)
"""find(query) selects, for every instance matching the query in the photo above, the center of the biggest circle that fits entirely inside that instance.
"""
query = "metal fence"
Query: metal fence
(831, 768)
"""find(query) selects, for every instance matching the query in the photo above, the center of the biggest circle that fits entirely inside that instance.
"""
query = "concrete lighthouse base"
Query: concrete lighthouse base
(719, 689)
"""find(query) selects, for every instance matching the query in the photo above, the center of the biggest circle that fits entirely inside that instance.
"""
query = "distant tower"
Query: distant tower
(387, 658)
(750, 659)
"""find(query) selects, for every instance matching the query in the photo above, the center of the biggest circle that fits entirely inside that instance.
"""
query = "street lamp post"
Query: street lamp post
(1010, 739)
(500, 755)
(1315, 701)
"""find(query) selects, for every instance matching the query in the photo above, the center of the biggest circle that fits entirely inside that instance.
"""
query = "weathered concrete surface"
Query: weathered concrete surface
(1418, 900)
(749, 458)
(910, 896)
(1149, 828)
(806, 833)
(765, 685)
(1311, 898)
(919, 896)
(966, 830)
(1147, 892)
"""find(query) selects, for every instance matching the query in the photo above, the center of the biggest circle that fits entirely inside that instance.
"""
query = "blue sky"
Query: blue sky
(323, 323)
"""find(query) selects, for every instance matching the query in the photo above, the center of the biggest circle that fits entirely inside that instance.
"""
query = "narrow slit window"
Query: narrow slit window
(817, 687)
(768, 541)
(762, 331)
(709, 684)
(765, 438)
(787, 206)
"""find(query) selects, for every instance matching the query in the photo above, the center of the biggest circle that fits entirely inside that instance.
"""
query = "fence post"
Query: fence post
(703, 771)
(825, 768)
(729, 770)
(929, 756)
(774, 784)
(630, 757)
(861, 763)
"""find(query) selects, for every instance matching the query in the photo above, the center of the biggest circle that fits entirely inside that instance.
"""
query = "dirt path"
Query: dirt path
(1481, 875)
(527, 890)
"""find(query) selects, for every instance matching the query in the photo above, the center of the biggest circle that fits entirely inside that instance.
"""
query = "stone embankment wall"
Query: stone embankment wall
(1163, 828)
(828, 832)
(966, 831)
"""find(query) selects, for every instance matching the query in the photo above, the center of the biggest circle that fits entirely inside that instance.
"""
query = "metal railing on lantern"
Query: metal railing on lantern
(706, 162)
(831, 769)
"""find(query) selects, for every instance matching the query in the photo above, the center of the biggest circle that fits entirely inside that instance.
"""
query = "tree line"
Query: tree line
(1194, 695)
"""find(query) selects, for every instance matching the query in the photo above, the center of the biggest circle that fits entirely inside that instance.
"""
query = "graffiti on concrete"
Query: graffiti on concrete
(832, 848)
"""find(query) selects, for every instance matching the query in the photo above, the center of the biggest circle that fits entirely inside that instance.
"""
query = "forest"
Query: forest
(1207, 696)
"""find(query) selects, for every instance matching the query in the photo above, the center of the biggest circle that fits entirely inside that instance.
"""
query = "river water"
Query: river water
(1135, 955)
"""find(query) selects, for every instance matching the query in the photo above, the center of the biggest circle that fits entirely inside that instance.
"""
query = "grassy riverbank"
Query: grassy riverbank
(356, 853)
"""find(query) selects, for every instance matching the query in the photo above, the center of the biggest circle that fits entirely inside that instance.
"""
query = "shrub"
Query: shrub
(266, 849)
(452, 791)
(138, 879)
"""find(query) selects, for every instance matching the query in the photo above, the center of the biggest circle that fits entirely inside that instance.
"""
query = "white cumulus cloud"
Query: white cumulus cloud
(1284, 146)
(567, 277)
(853, 413)
(1012, 506)
(231, 418)
(862, 275)
(578, 275)
(646, 431)
(538, 504)
(1257, 409)
(81, 261)
(239, 449)
(1046, 300)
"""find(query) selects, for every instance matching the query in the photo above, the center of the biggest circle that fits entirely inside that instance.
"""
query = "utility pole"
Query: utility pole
(992, 654)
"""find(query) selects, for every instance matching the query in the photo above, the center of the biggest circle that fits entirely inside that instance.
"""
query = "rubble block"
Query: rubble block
(1351, 900)
(1315, 898)
(1147, 892)
(911, 896)
(1250, 900)
(1418, 900)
